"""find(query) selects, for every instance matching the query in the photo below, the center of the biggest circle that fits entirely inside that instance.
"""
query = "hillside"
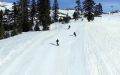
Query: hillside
(95, 50)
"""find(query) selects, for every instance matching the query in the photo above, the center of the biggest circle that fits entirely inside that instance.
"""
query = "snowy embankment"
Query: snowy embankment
(95, 50)
(4, 5)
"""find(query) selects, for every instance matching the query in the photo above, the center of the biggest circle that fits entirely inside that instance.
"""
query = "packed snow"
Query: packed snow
(95, 50)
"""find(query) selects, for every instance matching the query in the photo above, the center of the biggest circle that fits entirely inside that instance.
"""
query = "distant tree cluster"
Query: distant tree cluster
(25, 16)
(29, 15)
(89, 10)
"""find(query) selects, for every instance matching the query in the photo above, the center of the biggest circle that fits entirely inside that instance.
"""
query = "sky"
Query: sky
(107, 4)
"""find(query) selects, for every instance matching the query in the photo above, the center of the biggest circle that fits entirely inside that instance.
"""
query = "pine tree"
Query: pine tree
(78, 8)
(19, 18)
(24, 15)
(98, 10)
(15, 12)
(55, 10)
(33, 12)
(6, 20)
(75, 15)
(44, 13)
(88, 6)
(1, 25)
(14, 15)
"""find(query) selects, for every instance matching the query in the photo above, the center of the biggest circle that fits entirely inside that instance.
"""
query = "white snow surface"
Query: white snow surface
(69, 12)
(95, 50)
(4, 5)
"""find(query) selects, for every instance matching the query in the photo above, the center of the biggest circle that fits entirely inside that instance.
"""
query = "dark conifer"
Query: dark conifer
(6, 20)
(15, 12)
(98, 10)
(78, 8)
(24, 15)
(44, 13)
(1, 25)
(33, 12)
(17, 18)
(14, 32)
(14, 15)
(88, 6)
(75, 15)
(55, 10)
(36, 28)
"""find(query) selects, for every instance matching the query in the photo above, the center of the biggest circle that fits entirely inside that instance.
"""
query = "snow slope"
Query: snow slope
(95, 50)
(4, 5)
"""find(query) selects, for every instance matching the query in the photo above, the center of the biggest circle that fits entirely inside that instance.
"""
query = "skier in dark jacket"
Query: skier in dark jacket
(57, 41)
(74, 34)
(69, 27)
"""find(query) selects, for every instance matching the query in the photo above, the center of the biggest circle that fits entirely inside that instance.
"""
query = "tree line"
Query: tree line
(88, 8)
(35, 15)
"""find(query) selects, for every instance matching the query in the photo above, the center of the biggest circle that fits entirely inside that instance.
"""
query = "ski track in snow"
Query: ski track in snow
(95, 50)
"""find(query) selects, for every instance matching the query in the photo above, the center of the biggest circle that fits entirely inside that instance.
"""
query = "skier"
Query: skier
(57, 41)
(69, 27)
(74, 34)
